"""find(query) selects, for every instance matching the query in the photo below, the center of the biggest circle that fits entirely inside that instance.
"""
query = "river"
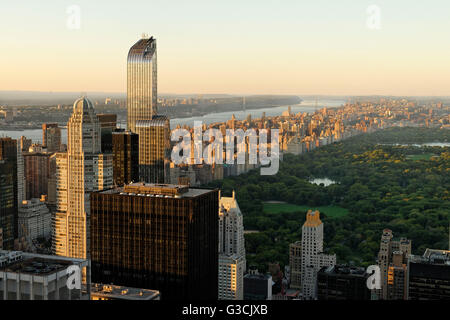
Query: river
(304, 106)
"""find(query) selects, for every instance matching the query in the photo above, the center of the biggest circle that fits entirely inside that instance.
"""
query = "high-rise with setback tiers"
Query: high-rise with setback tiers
(232, 262)
(80, 171)
(313, 258)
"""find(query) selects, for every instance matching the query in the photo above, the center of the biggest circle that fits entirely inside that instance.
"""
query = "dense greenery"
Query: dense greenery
(382, 186)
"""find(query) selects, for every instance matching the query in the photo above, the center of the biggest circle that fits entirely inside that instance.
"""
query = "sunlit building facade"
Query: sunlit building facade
(141, 82)
(154, 149)
(312, 256)
(232, 262)
(51, 137)
(82, 170)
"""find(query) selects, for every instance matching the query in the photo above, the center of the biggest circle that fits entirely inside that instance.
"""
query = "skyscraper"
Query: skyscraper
(389, 247)
(82, 170)
(313, 258)
(51, 137)
(154, 149)
(141, 82)
(153, 236)
(21, 183)
(125, 157)
(232, 262)
(429, 275)
(342, 283)
(8, 192)
(36, 165)
(295, 264)
(153, 129)
(108, 123)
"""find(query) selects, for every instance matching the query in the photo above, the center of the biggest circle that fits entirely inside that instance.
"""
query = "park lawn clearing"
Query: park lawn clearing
(418, 157)
(329, 211)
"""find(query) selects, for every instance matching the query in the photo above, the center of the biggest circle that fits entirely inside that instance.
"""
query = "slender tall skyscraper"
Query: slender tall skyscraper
(153, 129)
(141, 82)
(82, 170)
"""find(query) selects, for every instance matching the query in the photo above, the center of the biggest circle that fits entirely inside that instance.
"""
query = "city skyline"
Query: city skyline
(226, 48)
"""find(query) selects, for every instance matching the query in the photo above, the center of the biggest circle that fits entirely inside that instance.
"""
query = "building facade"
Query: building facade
(80, 171)
(389, 246)
(312, 256)
(232, 262)
(125, 157)
(8, 191)
(257, 286)
(343, 283)
(295, 265)
(141, 82)
(51, 137)
(429, 276)
(108, 123)
(154, 149)
(37, 173)
(158, 237)
(35, 220)
(29, 276)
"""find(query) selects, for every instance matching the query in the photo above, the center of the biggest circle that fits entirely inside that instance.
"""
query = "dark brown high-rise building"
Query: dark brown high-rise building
(429, 275)
(51, 137)
(8, 192)
(342, 283)
(108, 123)
(36, 165)
(125, 145)
(163, 237)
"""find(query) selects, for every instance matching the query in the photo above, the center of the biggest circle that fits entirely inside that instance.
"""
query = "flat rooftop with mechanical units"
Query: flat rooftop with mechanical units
(112, 292)
(157, 190)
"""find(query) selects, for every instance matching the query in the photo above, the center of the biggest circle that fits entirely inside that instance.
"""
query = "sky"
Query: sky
(324, 47)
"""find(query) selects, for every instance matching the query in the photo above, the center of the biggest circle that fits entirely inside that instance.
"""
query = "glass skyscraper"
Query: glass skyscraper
(141, 82)
(153, 129)
(154, 236)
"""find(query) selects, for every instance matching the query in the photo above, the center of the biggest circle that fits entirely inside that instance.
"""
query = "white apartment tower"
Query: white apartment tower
(232, 263)
(80, 171)
(312, 256)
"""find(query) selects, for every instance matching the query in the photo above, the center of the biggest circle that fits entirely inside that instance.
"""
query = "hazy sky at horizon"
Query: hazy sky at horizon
(240, 47)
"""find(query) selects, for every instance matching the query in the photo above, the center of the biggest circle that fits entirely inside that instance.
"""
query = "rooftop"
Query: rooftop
(343, 269)
(18, 262)
(125, 293)
(432, 256)
(157, 190)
